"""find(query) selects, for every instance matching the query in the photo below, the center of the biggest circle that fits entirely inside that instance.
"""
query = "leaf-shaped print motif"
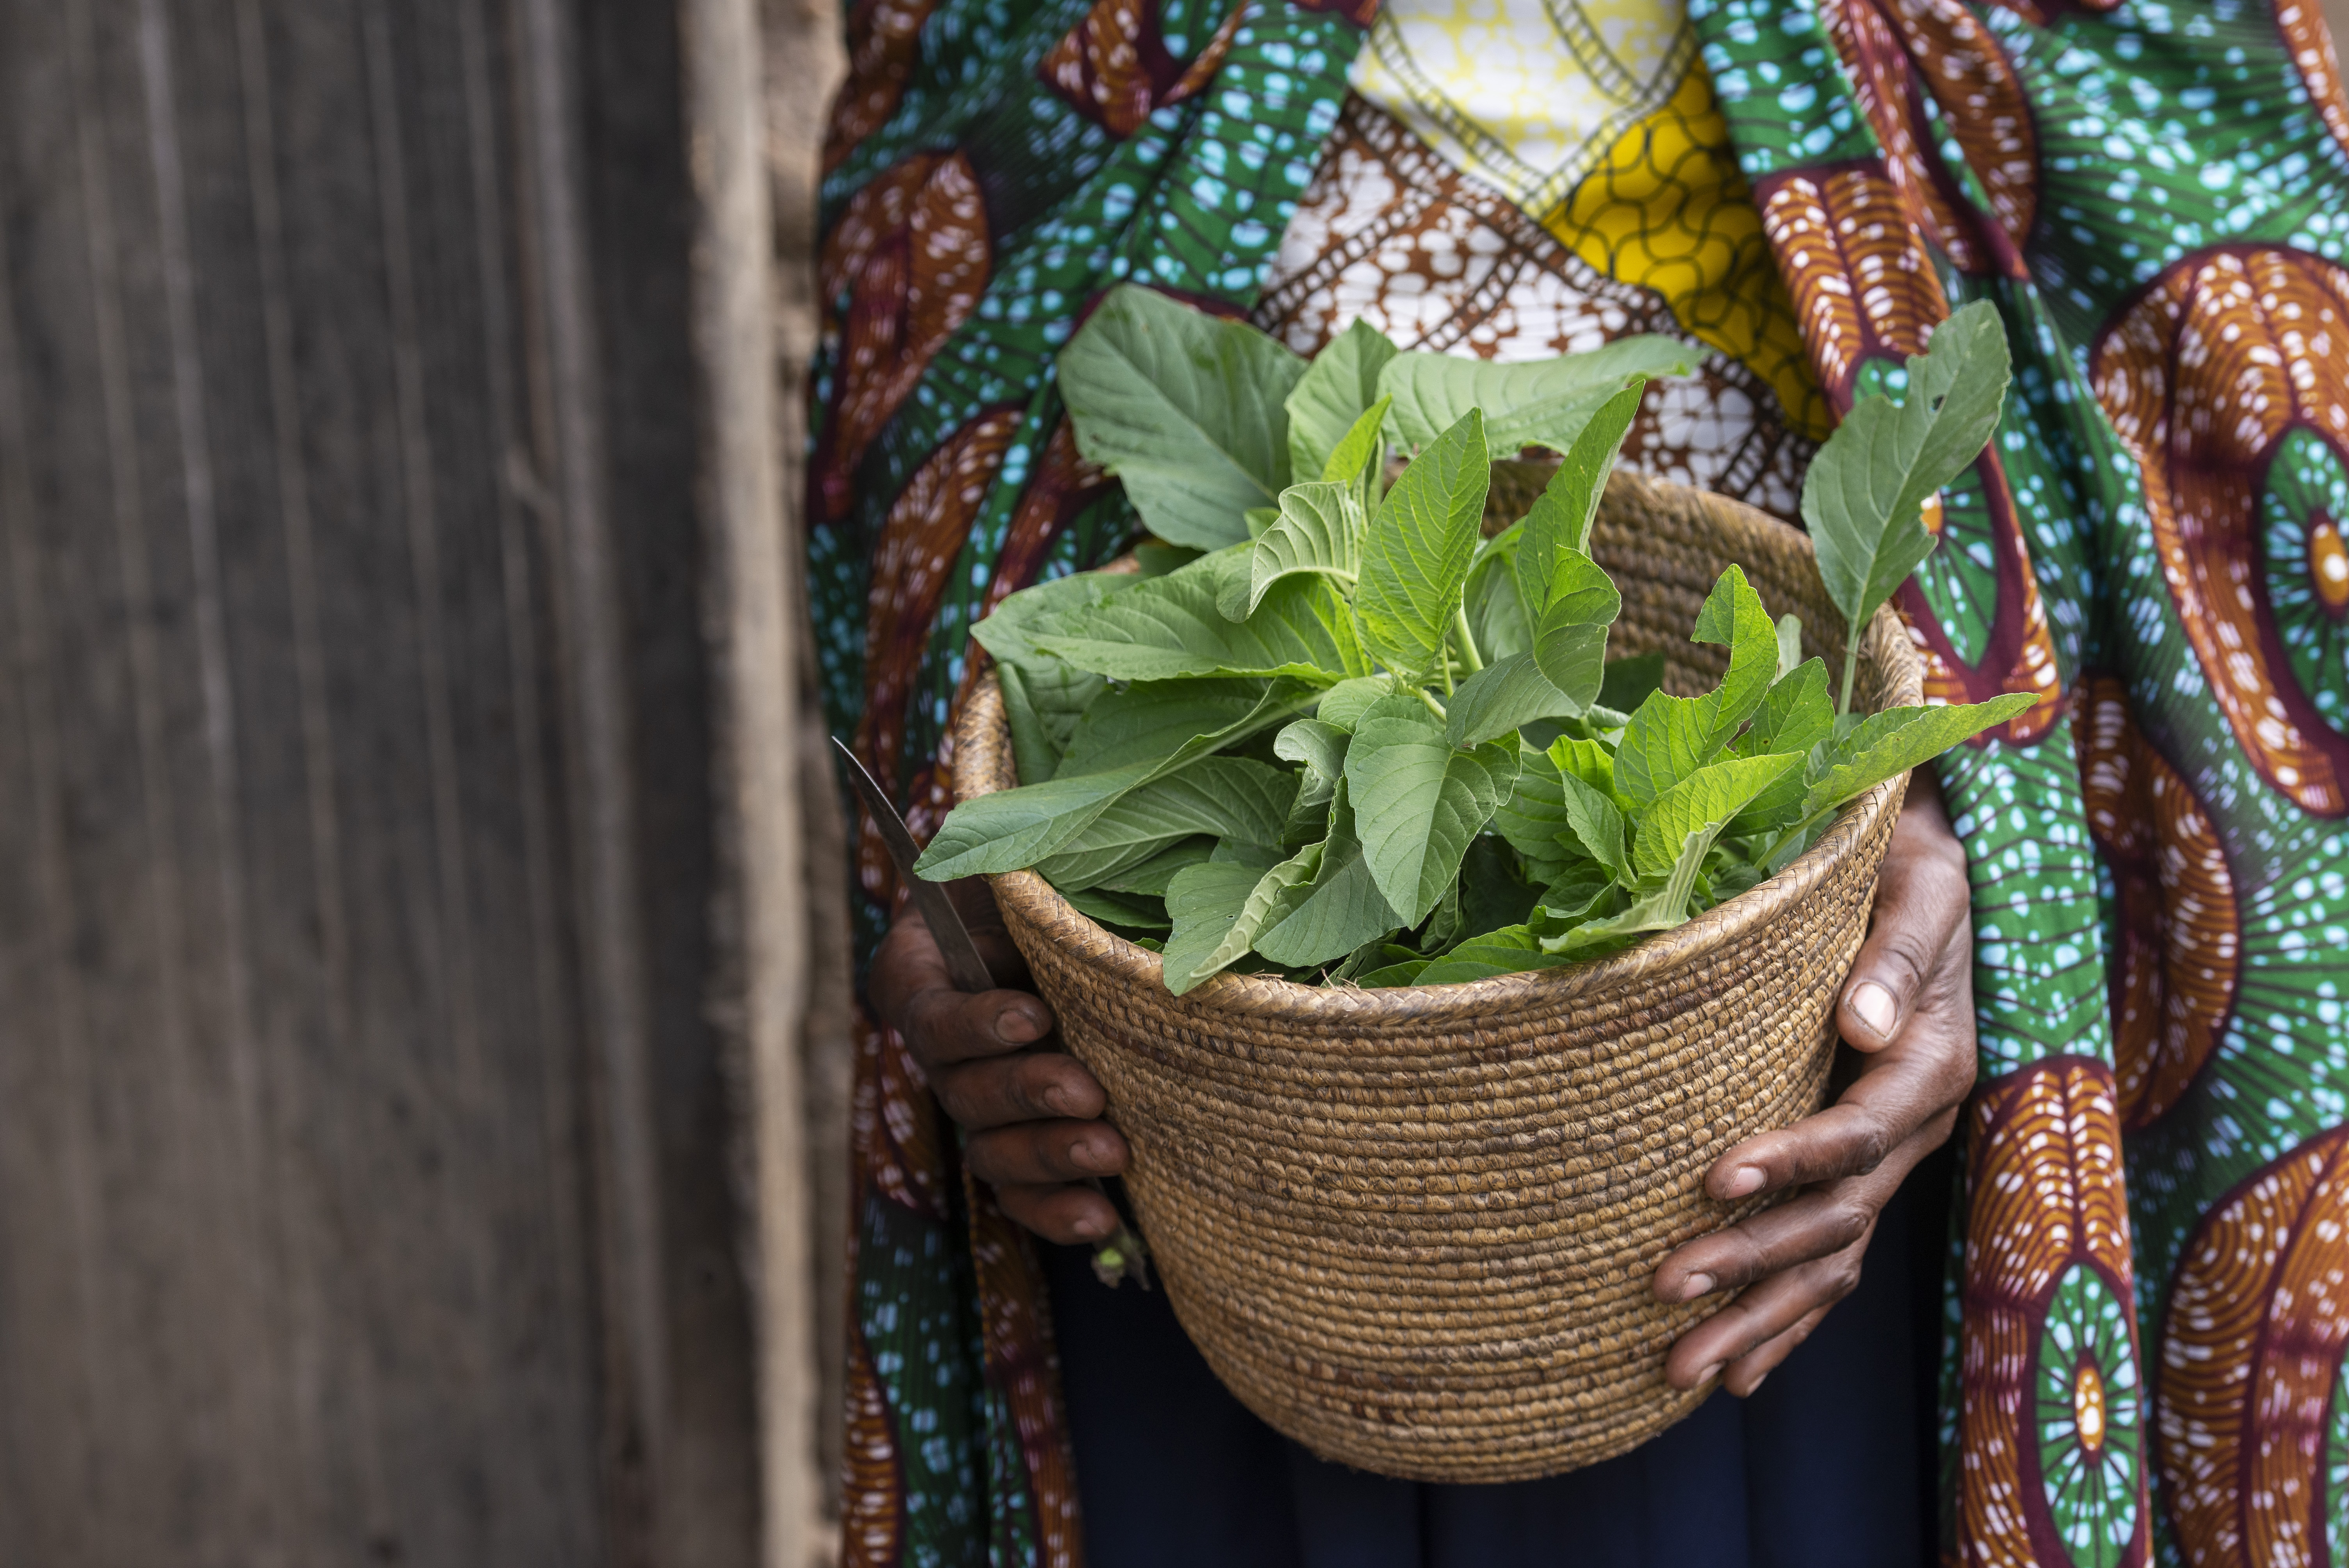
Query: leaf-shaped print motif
(1112, 67)
(2179, 934)
(2203, 378)
(913, 255)
(1862, 284)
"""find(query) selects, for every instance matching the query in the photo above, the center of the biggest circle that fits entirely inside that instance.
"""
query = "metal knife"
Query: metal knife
(1123, 1255)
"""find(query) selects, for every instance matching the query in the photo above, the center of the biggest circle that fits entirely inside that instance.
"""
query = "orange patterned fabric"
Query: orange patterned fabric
(912, 257)
(883, 43)
(1024, 1369)
(1113, 67)
(2045, 1193)
(1862, 285)
(2251, 1349)
(2216, 362)
(2180, 938)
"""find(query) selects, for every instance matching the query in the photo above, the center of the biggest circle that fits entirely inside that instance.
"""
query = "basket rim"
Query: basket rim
(1663, 956)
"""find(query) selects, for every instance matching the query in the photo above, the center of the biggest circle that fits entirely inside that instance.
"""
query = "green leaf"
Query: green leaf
(1013, 828)
(1596, 822)
(1629, 680)
(1415, 556)
(1352, 461)
(1112, 909)
(1584, 892)
(1560, 519)
(1511, 950)
(1228, 797)
(1497, 611)
(1165, 627)
(1571, 638)
(1864, 495)
(1131, 725)
(1887, 744)
(1669, 737)
(1493, 894)
(1319, 530)
(1326, 405)
(1340, 911)
(1205, 903)
(1501, 697)
(1006, 630)
(1790, 643)
(1796, 714)
(1404, 973)
(1150, 877)
(1185, 408)
(1321, 746)
(1691, 814)
(1533, 818)
(1343, 704)
(1543, 402)
(1418, 801)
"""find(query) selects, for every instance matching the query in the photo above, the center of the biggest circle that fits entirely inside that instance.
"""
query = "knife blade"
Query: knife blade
(1123, 1255)
(965, 966)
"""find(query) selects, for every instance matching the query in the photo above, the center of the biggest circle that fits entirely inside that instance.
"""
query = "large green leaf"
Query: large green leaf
(1216, 910)
(1319, 531)
(1597, 824)
(1339, 911)
(1500, 697)
(1864, 495)
(1796, 716)
(1511, 950)
(1355, 460)
(1418, 801)
(1186, 408)
(1570, 637)
(1497, 615)
(1132, 723)
(1560, 519)
(1007, 629)
(1230, 796)
(1534, 402)
(1151, 876)
(1415, 556)
(1135, 913)
(1533, 817)
(1694, 810)
(1332, 395)
(1344, 704)
(1044, 701)
(1166, 627)
(1669, 737)
(1887, 744)
(1013, 828)
(1321, 746)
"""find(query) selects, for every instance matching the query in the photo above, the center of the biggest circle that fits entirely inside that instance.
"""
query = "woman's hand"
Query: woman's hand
(1032, 1114)
(1907, 1007)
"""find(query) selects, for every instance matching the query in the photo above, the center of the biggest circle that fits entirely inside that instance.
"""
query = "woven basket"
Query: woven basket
(1414, 1229)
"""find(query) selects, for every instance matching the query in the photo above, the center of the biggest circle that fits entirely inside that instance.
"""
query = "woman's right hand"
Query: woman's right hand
(1032, 1113)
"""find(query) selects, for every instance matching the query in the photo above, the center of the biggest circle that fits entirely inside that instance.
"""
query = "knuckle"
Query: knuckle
(1848, 1224)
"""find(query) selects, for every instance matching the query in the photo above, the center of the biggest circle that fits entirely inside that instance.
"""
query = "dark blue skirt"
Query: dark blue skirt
(1829, 1465)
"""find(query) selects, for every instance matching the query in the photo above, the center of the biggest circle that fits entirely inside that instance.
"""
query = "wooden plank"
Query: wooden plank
(303, 1140)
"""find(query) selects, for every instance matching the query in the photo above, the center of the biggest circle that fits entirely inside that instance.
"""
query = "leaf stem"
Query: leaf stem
(1468, 653)
(1850, 668)
(1433, 707)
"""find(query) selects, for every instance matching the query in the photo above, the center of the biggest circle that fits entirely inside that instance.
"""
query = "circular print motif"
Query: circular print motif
(2302, 509)
(2088, 1397)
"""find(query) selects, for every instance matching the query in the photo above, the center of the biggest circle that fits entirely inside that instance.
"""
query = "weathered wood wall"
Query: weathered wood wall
(363, 1135)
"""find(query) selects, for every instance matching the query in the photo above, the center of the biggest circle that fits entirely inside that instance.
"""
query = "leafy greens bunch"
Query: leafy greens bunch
(1346, 739)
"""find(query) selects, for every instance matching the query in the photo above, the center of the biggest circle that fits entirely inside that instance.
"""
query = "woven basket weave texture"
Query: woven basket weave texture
(1414, 1229)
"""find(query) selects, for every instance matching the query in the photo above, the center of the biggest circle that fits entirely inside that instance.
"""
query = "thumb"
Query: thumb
(1922, 897)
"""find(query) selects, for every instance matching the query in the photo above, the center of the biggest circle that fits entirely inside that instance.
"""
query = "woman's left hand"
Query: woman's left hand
(1907, 1007)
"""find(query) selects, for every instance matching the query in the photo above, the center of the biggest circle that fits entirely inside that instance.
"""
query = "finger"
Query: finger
(1035, 1086)
(1743, 1376)
(1897, 1097)
(1028, 1153)
(942, 1026)
(1921, 900)
(1760, 1316)
(1057, 1213)
(1812, 1226)
(974, 900)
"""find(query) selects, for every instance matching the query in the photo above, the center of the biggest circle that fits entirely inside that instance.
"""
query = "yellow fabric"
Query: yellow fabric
(1668, 209)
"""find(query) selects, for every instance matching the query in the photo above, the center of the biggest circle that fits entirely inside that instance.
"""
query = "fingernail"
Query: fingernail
(1757, 1385)
(1057, 1101)
(1091, 1227)
(1708, 1375)
(1093, 1156)
(1744, 1180)
(1874, 1005)
(1017, 1027)
(1697, 1285)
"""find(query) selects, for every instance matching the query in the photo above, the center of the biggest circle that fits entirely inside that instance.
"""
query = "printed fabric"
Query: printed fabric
(2150, 1299)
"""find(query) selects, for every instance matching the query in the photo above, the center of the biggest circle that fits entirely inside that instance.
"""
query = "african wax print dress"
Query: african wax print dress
(2148, 1301)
